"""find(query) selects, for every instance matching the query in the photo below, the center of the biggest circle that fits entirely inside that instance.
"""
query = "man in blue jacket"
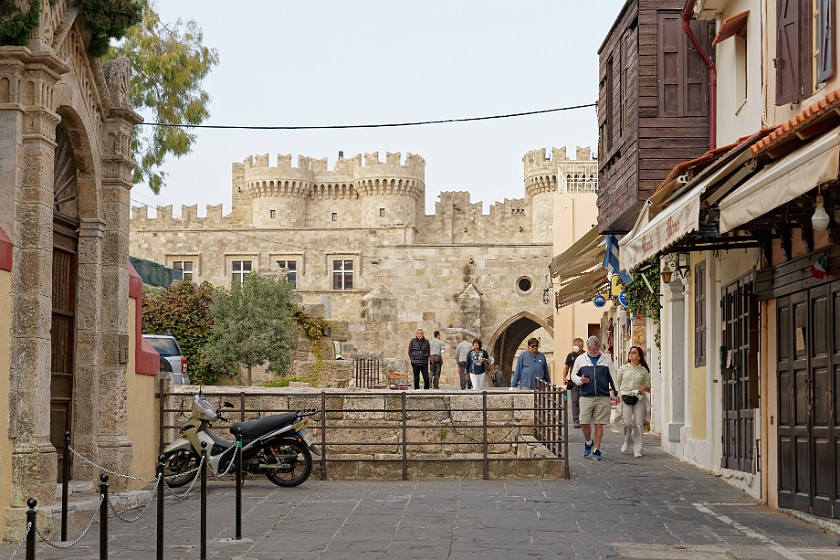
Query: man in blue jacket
(594, 373)
(531, 365)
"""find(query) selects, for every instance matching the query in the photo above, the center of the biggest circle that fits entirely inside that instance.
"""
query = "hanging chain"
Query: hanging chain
(142, 511)
(28, 528)
(85, 532)
(108, 471)
(180, 497)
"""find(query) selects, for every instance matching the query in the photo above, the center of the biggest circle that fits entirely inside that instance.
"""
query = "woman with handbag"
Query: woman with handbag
(633, 380)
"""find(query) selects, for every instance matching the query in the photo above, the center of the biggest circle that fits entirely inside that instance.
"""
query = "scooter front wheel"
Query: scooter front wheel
(181, 462)
(295, 463)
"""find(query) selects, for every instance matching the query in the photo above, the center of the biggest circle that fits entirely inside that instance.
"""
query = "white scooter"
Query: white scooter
(278, 446)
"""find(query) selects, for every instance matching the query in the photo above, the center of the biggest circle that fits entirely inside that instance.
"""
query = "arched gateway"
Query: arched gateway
(510, 335)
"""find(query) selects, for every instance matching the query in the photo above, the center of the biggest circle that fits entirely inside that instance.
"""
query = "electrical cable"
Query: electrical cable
(380, 125)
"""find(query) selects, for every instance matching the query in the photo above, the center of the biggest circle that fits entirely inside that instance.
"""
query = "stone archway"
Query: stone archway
(508, 337)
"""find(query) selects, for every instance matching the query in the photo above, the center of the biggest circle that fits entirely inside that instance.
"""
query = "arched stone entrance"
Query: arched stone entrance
(510, 335)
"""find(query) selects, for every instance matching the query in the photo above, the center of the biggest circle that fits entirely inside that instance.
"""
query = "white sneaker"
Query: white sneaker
(624, 448)
(637, 454)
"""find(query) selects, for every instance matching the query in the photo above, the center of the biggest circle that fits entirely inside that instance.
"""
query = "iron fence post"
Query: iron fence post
(323, 435)
(161, 467)
(65, 485)
(103, 517)
(204, 500)
(30, 522)
(161, 422)
(567, 472)
(238, 457)
(404, 442)
(484, 434)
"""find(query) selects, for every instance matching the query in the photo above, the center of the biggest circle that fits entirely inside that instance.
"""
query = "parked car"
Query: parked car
(171, 357)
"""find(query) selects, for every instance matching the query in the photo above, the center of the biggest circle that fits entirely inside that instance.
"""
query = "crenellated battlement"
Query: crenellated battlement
(541, 171)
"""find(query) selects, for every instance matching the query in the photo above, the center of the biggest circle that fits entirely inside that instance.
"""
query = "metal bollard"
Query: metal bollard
(103, 517)
(30, 522)
(204, 501)
(161, 466)
(238, 483)
(65, 485)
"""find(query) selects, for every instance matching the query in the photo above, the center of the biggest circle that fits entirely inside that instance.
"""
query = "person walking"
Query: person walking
(530, 366)
(593, 372)
(436, 350)
(574, 390)
(477, 361)
(418, 352)
(461, 352)
(633, 379)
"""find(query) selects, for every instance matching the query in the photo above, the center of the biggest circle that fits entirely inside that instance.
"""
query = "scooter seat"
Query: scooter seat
(256, 428)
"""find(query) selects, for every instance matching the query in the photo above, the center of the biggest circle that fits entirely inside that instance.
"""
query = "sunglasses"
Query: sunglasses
(533, 345)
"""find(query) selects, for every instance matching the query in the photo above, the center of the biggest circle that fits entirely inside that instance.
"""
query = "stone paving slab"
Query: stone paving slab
(622, 507)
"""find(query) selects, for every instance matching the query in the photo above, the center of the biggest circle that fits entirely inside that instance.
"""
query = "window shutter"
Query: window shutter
(825, 41)
(670, 73)
(787, 52)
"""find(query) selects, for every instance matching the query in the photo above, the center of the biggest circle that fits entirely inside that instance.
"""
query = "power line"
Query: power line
(380, 125)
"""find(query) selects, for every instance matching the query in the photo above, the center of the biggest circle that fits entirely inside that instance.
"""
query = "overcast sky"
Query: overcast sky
(362, 61)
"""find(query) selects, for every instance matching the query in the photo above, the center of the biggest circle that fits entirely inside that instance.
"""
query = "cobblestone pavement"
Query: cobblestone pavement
(622, 507)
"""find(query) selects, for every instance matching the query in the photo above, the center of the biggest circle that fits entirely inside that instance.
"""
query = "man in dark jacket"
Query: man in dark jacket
(594, 373)
(418, 352)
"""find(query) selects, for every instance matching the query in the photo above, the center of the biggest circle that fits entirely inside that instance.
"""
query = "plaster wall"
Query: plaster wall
(574, 214)
(778, 114)
(739, 111)
(6, 443)
(140, 408)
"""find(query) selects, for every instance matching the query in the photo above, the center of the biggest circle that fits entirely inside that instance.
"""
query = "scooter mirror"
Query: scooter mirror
(228, 405)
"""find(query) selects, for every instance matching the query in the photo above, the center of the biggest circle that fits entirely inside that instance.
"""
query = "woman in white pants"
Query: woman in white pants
(477, 362)
(633, 382)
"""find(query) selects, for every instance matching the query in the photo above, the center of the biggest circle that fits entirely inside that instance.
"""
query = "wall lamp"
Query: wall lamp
(675, 263)
(820, 219)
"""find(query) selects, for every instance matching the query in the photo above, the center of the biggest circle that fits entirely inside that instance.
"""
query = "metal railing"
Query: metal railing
(405, 428)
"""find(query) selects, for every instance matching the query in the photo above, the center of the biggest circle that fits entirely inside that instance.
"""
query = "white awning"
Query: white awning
(650, 237)
(668, 227)
(792, 176)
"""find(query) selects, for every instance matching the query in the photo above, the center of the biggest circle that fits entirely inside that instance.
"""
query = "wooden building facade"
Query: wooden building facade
(653, 106)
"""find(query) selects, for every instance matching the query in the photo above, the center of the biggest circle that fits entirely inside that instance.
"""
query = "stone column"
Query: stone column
(27, 151)
(90, 306)
(113, 445)
(675, 363)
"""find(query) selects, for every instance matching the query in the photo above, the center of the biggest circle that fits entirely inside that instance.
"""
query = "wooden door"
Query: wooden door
(739, 374)
(808, 339)
(63, 336)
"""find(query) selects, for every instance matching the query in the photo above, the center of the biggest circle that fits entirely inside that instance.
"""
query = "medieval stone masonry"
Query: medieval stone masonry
(356, 239)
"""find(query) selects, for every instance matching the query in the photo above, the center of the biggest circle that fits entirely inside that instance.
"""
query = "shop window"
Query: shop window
(700, 314)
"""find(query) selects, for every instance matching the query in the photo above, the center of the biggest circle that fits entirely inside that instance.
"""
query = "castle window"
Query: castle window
(381, 212)
(240, 270)
(342, 274)
(186, 268)
(272, 214)
(290, 268)
(334, 217)
(524, 285)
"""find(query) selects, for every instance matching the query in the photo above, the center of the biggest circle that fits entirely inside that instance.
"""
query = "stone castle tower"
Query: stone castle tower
(544, 175)
(360, 190)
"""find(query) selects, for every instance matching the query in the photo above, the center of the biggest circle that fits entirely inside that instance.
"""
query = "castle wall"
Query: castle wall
(381, 243)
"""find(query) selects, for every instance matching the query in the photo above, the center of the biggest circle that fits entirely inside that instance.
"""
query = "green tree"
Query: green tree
(105, 19)
(168, 66)
(253, 325)
(183, 311)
